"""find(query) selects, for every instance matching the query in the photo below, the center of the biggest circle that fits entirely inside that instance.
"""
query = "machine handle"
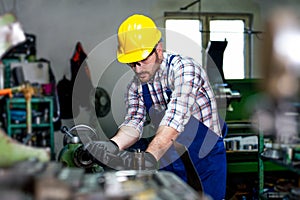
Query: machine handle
(65, 130)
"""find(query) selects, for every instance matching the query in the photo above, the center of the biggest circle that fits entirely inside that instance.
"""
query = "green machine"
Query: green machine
(73, 154)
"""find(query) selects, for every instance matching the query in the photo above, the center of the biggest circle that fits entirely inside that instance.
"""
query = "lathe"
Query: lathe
(35, 180)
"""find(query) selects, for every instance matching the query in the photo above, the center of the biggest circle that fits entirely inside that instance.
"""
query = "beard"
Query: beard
(146, 76)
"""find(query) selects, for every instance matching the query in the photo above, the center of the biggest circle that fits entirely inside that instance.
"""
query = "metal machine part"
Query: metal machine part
(82, 158)
(139, 160)
(77, 132)
(73, 153)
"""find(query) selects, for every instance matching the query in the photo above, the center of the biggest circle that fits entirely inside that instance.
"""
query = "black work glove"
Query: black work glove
(130, 161)
(150, 161)
(103, 151)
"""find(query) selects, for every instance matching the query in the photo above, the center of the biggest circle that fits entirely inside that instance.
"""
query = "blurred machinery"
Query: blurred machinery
(73, 153)
(278, 109)
(11, 33)
(77, 176)
(35, 180)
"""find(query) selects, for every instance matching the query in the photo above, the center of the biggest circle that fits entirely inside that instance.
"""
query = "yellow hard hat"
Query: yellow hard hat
(137, 36)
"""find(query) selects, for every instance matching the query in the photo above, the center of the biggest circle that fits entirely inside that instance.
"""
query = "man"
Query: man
(175, 93)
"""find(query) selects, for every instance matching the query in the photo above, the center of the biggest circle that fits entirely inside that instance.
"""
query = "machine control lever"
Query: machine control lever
(65, 130)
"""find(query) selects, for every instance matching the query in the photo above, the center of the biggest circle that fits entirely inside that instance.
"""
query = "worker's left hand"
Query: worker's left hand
(103, 151)
(150, 161)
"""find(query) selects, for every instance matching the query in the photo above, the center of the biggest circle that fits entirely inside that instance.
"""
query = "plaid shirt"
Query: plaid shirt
(191, 95)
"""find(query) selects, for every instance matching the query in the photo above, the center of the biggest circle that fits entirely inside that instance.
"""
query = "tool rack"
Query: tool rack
(42, 125)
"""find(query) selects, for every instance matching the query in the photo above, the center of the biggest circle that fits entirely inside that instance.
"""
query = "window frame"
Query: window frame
(206, 17)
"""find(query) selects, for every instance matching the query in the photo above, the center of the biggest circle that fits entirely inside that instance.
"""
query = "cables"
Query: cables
(191, 4)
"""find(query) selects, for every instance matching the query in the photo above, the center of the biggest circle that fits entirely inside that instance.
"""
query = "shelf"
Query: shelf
(239, 124)
(293, 166)
(43, 125)
(246, 161)
(33, 100)
(40, 117)
(242, 151)
(252, 167)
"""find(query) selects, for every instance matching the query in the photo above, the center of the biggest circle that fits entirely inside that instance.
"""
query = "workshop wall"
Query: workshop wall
(59, 24)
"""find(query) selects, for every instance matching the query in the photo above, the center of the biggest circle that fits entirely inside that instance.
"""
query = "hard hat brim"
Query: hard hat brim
(134, 56)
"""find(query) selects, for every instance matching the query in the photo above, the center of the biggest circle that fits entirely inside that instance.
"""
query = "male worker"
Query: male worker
(175, 92)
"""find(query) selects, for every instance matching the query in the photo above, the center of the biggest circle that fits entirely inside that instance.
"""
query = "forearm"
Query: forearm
(162, 141)
(125, 137)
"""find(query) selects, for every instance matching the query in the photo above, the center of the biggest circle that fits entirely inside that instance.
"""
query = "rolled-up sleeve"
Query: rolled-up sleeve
(135, 108)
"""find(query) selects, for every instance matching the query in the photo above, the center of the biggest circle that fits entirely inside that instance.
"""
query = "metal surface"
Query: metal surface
(139, 160)
(52, 181)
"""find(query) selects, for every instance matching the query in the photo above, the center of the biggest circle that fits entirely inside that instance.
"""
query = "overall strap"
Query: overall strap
(169, 91)
(147, 97)
(143, 143)
(146, 92)
(192, 176)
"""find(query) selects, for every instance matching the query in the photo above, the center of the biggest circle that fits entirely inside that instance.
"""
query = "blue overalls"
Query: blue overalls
(205, 147)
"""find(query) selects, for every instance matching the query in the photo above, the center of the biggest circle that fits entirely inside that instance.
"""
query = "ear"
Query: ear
(159, 46)
(159, 50)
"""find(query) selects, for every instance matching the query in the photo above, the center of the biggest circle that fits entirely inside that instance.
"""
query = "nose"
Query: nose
(138, 67)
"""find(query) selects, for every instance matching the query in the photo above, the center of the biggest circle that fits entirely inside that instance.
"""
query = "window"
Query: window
(204, 27)
(183, 37)
(233, 32)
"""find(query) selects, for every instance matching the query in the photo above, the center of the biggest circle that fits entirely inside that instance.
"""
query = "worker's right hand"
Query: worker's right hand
(103, 151)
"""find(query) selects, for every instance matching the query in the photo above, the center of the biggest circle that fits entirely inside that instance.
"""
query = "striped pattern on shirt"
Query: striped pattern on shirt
(192, 95)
